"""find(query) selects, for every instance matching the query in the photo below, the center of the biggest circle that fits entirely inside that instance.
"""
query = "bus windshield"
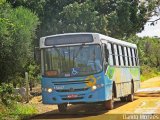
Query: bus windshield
(71, 61)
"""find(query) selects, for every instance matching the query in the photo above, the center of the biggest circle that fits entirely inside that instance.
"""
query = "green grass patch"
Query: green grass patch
(148, 76)
(17, 111)
(148, 72)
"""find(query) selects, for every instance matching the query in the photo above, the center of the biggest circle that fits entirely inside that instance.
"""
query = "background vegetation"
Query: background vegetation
(23, 22)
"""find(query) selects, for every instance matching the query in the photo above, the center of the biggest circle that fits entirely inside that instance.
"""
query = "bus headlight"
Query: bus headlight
(94, 87)
(97, 86)
(49, 90)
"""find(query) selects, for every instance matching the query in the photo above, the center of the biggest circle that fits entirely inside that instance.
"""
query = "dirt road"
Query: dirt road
(147, 101)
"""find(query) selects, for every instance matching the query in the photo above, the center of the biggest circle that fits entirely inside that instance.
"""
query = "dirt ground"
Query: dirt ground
(146, 101)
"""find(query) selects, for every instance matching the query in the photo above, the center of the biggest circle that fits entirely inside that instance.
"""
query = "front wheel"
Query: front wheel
(109, 104)
(62, 107)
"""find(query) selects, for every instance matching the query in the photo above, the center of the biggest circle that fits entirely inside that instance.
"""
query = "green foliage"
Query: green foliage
(122, 17)
(34, 73)
(18, 80)
(148, 72)
(126, 17)
(22, 110)
(79, 17)
(17, 111)
(17, 29)
(7, 94)
(151, 47)
(148, 49)
(149, 57)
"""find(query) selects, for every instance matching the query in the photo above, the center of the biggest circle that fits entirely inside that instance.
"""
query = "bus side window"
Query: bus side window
(113, 54)
(110, 54)
(116, 54)
(136, 57)
(123, 55)
(131, 56)
(126, 57)
(134, 62)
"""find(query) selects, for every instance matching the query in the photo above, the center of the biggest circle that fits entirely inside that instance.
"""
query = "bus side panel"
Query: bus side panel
(135, 72)
(123, 77)
(108, 87)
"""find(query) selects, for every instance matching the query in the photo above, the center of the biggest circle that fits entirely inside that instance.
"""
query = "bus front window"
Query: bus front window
(72, 61)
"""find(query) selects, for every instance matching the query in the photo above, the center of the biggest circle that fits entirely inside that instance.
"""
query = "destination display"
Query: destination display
(68, 39)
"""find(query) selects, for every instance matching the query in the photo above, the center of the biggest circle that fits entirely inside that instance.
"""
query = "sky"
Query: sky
(150, 30)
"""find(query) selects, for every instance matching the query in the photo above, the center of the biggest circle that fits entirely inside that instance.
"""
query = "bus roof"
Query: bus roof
(101, 38)
(117, 41)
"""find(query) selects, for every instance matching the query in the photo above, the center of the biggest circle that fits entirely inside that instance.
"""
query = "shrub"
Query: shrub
(7, 94)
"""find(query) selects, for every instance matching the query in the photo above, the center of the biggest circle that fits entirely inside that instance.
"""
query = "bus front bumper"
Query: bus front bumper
(89, 96)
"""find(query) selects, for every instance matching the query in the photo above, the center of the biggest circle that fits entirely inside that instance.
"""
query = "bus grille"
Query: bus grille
(72, 90)
(70, 82)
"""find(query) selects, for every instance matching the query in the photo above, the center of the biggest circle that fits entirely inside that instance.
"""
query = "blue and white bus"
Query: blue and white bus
(88, 68)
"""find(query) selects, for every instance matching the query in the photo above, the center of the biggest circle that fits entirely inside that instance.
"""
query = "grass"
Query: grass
(148, 72)
(147, 76)
(17, 111)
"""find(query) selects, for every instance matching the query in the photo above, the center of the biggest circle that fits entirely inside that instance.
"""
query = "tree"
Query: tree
(125, 17)
(17, 30)
(82, 17)
(148, 50)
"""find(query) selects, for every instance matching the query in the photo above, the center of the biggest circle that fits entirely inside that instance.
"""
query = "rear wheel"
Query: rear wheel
(123, 99)
(130, 97)
(62, 107)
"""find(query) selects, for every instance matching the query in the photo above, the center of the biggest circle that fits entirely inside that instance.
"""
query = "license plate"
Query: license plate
(72, 96)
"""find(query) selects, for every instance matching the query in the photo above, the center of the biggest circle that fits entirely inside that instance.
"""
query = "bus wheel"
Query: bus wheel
(130, 97)
(109, 104)
(62, 107)
(123, 99)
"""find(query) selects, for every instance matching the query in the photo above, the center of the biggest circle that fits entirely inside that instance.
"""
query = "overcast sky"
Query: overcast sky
(150, 30)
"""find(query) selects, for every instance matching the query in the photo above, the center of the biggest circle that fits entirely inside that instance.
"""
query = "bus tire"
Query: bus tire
(109, 104)
(130, 97)
(123, 99)
(62, 107)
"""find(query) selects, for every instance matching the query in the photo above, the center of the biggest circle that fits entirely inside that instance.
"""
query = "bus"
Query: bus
(88, 68)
